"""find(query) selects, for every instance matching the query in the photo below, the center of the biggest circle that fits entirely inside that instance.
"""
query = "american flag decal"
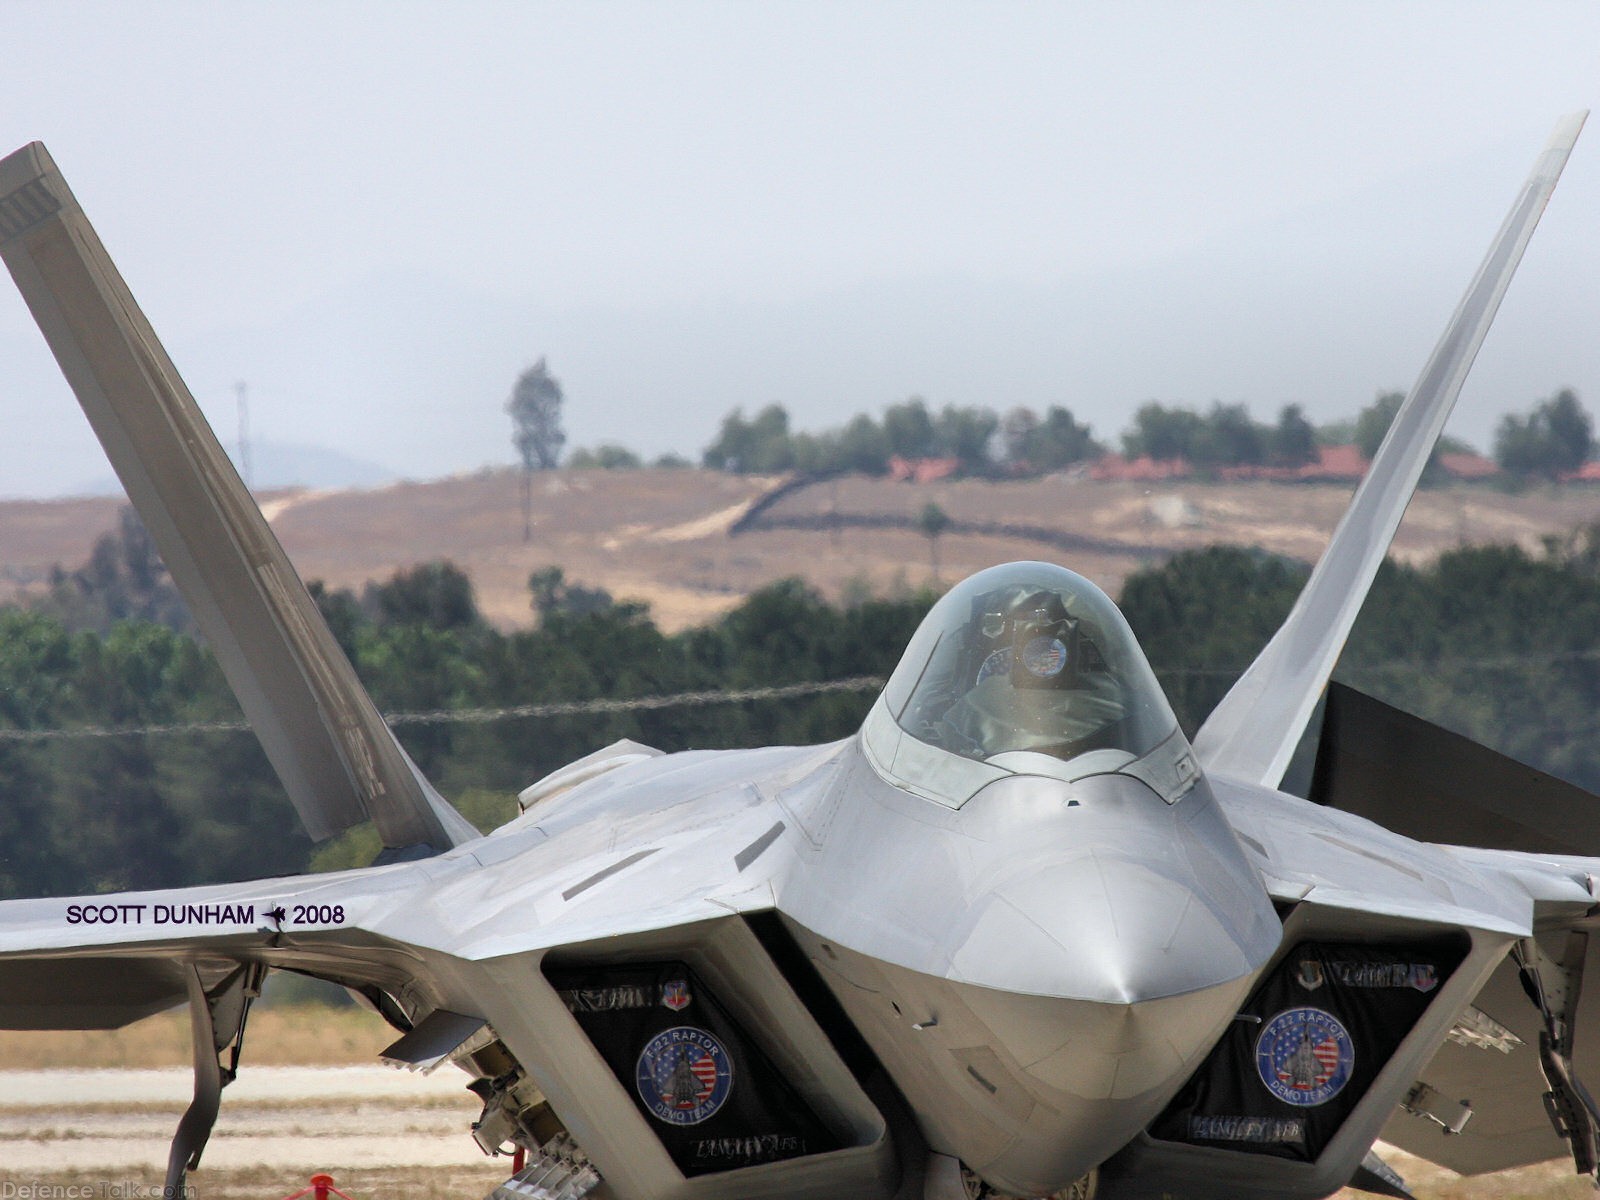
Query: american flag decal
(684, 1075)
(1304, 1056)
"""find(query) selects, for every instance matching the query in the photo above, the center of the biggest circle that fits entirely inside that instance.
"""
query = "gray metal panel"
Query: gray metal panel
(1430, 784)
(86, 993)
(1509, 1127)
(326, 740)
(441, 1033)
(1252, 734)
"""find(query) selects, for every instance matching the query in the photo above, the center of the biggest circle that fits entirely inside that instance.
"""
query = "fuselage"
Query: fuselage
(1039, 970)
(1014, 880)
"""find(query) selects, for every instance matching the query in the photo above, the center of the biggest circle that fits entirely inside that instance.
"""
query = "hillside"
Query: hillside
(683, 542)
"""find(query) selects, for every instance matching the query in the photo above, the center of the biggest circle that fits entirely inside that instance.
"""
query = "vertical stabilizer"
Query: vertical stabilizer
(326, 740)
(1252, 734)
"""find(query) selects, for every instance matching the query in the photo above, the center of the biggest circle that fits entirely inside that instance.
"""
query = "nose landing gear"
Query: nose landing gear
(1083, 1189)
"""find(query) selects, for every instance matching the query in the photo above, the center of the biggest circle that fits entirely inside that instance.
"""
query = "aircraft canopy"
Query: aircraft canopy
(1029, 657)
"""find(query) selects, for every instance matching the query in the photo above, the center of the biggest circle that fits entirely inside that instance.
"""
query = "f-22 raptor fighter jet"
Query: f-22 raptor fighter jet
(1015, 937)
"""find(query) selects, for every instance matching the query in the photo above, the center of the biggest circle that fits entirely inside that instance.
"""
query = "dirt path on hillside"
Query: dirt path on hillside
(667, 537)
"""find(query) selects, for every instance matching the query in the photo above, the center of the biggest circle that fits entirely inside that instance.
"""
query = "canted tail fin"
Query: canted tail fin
(1253, 733)
(335, 755)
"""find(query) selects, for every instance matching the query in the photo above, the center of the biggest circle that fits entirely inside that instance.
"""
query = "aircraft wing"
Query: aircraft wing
(1492, 1062)
(696, 832)
(1253, 732)
(335, 755)
(1515, 829)
(1408, 820)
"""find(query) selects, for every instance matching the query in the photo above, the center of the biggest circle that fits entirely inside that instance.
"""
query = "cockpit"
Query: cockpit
(1025, 668)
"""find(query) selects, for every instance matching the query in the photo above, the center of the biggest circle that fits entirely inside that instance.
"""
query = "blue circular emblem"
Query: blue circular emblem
(1304, 1056)
(1044, 656)
(684, 1075)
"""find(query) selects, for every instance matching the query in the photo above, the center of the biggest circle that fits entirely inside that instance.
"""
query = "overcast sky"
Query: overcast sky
(377, 214)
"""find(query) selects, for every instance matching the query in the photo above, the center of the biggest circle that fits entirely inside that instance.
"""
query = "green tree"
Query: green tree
(1228, 437)
(553, 596)
(1374, 420)
(909, 430)
(1203, 615)
(1556, 437)
(1061, 441)
(1163, 433)
(1017, 431)
(124, 580)
(863, 446)
(932, 521)
(1293, 441)
(1050, 444)
(758, 446)
(435, 594)
(964, 434)
(605, 457)
(535, 408)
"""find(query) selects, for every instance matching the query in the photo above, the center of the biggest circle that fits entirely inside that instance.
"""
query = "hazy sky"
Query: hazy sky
(377, 214)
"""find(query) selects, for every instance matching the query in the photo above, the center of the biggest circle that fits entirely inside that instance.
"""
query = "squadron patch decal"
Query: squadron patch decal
(684, 1075)
(1304, 1056)
(675, 994)
(1310, 975)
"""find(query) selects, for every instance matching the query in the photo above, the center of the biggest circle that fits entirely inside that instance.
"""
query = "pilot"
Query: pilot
(1038, 644)
(1042, 685)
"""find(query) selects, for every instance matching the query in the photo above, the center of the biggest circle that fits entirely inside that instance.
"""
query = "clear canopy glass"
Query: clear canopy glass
(1028, 657)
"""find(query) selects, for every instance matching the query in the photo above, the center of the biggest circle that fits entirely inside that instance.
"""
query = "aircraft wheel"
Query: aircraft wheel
(977, 1189)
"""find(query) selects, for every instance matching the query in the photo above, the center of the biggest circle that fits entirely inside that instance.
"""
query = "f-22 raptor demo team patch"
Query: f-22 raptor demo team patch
(700, 1082)
(684, 1075)
(1304, 1056)
(1306, 1046)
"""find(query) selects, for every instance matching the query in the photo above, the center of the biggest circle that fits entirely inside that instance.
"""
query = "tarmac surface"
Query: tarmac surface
(296, 1117)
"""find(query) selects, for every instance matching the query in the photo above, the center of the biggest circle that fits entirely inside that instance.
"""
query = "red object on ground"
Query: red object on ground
(519, 1160)
(321, 1188)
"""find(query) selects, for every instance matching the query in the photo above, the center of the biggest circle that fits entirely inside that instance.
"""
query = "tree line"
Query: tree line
(1554, 437)
(1498, 643)
(91, 809)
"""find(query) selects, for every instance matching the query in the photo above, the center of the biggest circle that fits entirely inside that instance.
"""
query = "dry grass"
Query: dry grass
(1545, 1181)
(661, 536)
(289, 1035)
(314, 1034)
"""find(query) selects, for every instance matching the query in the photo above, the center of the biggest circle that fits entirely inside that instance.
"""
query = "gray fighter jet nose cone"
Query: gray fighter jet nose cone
(1105, 929)
(1123, 900)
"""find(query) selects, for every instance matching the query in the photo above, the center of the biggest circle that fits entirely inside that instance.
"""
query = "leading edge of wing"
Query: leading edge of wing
(327, 742)
(1253, 732)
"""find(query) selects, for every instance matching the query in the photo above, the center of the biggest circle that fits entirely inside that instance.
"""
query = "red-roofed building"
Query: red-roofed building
(1335, 462)
(1468, 466)
(1113, 467)
(1341, 463)
(1588, 473)
(922, 470)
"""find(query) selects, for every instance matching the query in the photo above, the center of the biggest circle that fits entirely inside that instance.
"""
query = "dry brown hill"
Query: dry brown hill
(670, 537)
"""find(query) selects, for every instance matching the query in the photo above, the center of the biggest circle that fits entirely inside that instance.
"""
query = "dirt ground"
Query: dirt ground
(664, 536)
(98, 1110)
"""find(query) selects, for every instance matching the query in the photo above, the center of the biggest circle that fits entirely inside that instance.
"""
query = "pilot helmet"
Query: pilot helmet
(1042, 638)
(1033, 641)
